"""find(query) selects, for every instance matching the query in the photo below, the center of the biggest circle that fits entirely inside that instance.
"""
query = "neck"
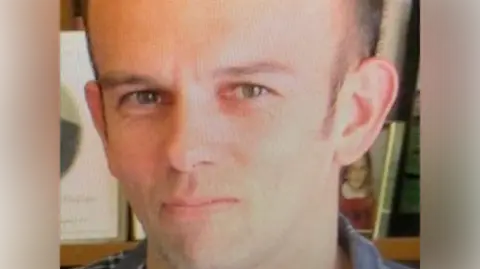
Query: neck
(312, 243)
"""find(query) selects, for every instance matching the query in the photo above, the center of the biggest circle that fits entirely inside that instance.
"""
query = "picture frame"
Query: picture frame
(367, 184)
(92, 207)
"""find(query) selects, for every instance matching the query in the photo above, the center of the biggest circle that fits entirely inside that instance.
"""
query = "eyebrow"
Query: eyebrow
(115, 79)
(253, 68)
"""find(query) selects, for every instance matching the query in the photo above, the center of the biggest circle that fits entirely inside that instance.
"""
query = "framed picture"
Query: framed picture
(92, 208)
(366, 185)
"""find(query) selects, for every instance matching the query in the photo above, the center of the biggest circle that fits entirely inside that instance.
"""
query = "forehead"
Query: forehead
(212, 32)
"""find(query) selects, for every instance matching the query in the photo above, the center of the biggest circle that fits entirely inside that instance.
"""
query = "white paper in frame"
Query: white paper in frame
(92, 208)
(138, 232)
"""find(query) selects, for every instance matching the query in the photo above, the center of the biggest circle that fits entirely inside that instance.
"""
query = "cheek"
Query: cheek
(134, 149)
(290, 161)
(136, 160)
(286, 187)
(292, 141)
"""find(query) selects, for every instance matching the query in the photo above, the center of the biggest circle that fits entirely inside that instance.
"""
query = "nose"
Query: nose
(190, 144)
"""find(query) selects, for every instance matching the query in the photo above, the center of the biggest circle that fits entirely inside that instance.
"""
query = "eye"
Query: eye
(244, 91)
(144, 98)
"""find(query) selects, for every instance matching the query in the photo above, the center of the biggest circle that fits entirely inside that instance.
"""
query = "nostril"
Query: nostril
(185, 158)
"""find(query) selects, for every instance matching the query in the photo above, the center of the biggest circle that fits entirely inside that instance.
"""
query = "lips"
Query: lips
(198, 203)
(190, 209)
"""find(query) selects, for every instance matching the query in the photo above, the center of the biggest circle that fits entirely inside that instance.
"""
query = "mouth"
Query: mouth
(190, 209)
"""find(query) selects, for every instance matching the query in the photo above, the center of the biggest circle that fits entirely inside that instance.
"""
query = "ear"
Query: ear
(364, 103)
(94, 100)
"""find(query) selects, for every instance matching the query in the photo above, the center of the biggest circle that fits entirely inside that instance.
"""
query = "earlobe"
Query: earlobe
(94, 101)
(368, 100)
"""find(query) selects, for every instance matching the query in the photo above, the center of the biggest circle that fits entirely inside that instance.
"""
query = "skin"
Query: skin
(231, 101)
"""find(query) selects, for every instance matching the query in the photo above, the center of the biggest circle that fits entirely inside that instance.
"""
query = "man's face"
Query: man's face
(215, 116)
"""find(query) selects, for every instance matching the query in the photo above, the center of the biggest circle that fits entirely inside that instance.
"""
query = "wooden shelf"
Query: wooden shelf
(84, 254)
(66, 15)
(397, 249)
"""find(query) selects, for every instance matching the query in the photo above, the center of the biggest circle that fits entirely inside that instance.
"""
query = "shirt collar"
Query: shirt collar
(361, 251)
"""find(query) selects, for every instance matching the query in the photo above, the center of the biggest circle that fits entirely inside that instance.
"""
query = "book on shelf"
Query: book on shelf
(393, 150)
(366, 185)
(410, 196)
(405, 219)
(416, 111)
(92, 207)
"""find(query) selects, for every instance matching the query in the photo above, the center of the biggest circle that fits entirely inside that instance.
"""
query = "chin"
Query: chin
(205, 255)
(224, 246)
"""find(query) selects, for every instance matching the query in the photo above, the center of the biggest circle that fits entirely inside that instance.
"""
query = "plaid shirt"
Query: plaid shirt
(361, 251)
